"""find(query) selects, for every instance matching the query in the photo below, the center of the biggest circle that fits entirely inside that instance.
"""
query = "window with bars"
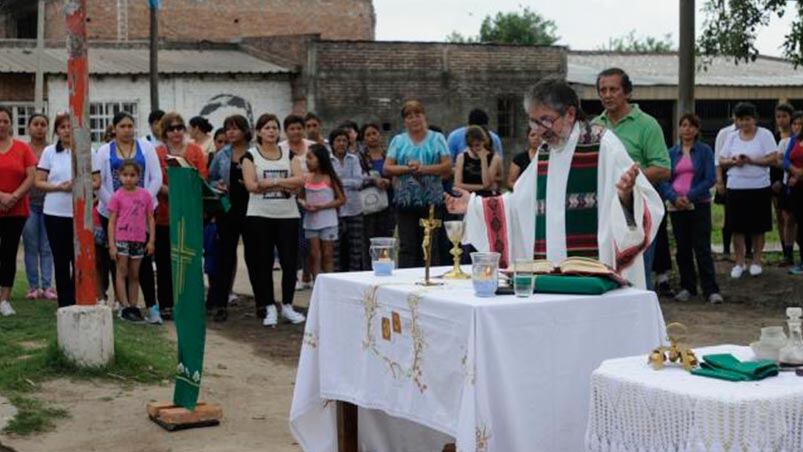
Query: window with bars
(101, 114)
(20, 113)
(506, 112)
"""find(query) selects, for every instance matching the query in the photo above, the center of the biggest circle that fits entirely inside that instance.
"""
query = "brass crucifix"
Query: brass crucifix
(429, 224)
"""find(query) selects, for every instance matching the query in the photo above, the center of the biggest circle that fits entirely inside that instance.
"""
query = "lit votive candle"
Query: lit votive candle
(485, 287)
(485, 282)
(383, 267)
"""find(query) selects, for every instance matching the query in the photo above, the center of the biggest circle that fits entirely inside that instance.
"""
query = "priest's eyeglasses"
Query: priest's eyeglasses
(545, 123)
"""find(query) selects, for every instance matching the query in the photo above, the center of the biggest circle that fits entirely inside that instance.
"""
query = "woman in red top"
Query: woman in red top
(17, 171)
(173, 133)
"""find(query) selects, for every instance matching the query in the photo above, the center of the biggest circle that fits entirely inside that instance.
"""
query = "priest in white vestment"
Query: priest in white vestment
(593, 199)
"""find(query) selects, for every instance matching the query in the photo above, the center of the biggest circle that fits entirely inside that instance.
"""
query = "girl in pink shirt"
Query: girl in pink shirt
(131, 234)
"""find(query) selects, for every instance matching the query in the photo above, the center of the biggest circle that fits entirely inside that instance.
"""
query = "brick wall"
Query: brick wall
(370, 80)
(218, 20)
(16, 87)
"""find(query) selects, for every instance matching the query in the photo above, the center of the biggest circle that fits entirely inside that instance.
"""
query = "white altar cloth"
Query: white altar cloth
(636, 408)
(496, 374)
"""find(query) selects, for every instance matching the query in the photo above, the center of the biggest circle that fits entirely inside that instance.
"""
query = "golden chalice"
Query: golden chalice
(454, 231)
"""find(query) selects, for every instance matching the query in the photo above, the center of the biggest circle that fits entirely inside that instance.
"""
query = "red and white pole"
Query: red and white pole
(78, 85)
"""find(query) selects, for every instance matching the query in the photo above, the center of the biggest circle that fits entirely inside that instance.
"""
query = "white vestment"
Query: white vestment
(620, 242)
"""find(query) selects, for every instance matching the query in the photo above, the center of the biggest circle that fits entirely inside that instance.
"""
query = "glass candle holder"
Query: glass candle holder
(383, 249)
(485, 273)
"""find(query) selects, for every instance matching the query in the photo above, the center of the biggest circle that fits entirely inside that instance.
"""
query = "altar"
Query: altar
(434, 365)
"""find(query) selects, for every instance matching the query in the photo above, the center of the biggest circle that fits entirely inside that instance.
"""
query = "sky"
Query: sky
(582, 24)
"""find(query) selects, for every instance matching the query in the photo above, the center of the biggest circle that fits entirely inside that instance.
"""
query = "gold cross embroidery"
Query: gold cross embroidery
(181, 256)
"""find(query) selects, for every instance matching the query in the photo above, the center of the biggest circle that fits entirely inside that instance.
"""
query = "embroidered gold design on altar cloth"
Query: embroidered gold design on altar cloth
(415, 369)
(310, 339)
(481, 437)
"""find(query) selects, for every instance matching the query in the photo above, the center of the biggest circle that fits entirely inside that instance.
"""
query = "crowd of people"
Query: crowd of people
(304, 204)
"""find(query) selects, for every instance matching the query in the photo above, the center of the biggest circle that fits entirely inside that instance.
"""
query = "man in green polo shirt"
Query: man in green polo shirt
(640, 133)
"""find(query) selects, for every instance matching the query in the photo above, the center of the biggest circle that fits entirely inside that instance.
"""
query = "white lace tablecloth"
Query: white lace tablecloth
(434, 365)
(635, 408)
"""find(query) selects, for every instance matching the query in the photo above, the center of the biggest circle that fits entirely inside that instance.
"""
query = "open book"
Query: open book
(576, 266)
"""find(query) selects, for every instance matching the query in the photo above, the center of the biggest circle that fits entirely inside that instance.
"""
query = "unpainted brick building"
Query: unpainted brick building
(369, 80)
(194, 20)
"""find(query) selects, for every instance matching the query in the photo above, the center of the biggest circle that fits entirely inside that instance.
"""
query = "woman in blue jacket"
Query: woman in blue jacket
(688, 195)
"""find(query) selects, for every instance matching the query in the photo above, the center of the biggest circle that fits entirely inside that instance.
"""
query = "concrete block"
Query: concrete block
(86, 334)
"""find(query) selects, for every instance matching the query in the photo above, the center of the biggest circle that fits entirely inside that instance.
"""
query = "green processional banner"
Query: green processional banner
(189, 312)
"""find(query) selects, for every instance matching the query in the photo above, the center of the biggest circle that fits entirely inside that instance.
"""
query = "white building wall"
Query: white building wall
(216, 96)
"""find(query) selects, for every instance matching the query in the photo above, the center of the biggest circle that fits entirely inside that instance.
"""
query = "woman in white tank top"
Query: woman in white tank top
(272, 178)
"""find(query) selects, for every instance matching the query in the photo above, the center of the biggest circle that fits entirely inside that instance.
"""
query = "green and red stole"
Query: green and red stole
(581, 198)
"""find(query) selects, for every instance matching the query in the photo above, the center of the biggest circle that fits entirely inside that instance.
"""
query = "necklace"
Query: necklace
(127, 155)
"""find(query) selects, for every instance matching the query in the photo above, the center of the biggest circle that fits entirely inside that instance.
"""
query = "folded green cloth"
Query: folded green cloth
(584, 285)
(726, 367)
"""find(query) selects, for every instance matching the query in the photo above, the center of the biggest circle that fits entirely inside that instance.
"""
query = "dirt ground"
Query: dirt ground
(250, 370)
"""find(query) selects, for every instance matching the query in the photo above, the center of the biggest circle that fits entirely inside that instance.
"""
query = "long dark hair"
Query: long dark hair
(325, 165)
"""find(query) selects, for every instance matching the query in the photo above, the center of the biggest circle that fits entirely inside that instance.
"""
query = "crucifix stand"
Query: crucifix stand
(429, 224)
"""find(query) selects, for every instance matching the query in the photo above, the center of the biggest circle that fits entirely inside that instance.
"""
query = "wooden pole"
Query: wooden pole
(78, 86)
(154, 55)
(686, 64)
(39, 80)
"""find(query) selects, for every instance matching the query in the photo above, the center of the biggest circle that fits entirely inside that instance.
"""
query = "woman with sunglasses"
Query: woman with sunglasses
(172, 132)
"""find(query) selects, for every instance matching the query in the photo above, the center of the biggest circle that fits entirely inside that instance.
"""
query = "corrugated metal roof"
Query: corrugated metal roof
(662, 69)
(110, 61)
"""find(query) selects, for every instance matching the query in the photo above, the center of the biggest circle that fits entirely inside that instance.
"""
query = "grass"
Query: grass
(30, 356)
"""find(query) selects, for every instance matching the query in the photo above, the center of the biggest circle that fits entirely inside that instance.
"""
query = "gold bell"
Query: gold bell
(689, 360)
(656, 360)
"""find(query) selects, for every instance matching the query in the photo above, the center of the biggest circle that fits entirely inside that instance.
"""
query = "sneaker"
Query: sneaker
(715, 298)
(290, 314)
(755, 270)
(271, 318)
(117, 307)
(167, 313)
(153, 316)
(132, 315)
(32, 294)
(233, 299)
(300, 285)
(50, 294)
(796, 270)
(736, 271)
(102, 302)
(6, 309)
(683, 295)
(664, 289)
(221, 315)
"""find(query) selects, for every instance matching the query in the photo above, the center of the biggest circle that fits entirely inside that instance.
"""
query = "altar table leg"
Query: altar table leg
(346, 427)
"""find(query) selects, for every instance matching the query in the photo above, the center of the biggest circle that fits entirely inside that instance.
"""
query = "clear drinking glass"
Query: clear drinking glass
(523, 277)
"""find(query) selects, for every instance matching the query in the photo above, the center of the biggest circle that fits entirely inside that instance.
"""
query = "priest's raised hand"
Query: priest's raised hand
(457, 204)
(626, 183)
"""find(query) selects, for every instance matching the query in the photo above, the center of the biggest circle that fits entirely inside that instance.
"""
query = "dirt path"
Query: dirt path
(254, 388)
(250, 371)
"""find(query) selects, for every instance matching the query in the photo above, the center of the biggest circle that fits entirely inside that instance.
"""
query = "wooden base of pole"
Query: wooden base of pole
(171, 417)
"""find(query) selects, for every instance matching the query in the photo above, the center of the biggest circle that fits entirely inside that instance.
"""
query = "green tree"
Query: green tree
(521, 27)
(632, 43)
(458, 38)
(730, 28)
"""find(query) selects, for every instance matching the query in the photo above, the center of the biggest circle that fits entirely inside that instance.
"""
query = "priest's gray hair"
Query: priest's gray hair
(554, 93)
